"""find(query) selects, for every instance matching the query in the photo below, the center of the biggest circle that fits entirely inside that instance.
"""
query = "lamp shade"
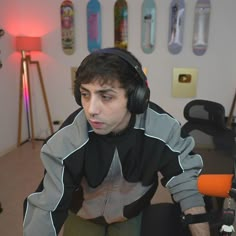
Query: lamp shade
(25, 43)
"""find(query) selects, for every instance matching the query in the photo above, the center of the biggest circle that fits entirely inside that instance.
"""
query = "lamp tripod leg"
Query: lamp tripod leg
(30, 113)
(20, 105)
(44, 95)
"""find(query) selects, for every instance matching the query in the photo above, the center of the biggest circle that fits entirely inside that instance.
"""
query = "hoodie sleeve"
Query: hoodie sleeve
(62, 157)
(46, 209)
(183, 184)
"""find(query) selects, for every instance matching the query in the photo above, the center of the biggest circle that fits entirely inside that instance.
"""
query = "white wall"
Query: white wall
(217, 68)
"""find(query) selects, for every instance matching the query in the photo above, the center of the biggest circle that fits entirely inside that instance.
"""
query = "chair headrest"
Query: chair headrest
(205, 112)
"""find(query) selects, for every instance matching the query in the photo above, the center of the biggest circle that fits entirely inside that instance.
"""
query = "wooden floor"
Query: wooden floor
(20, 173)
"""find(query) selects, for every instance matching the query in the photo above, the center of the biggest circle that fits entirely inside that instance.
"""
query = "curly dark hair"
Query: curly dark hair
(107, 67)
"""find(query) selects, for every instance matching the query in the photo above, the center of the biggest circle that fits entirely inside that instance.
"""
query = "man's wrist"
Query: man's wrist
(194, 218)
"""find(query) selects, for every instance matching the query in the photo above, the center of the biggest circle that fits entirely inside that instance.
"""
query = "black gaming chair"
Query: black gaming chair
(163, 219)
(214, 142)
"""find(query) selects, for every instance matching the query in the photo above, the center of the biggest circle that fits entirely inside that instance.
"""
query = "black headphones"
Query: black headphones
(139, 98)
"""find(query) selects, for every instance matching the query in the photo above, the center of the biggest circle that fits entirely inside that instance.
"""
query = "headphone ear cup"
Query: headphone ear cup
(138, 100)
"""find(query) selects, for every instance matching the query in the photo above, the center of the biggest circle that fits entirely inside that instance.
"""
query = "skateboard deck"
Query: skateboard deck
(201, 26)
(94, 25)
(67, 27)
(121, 24)
(148, 26)
(176, 26)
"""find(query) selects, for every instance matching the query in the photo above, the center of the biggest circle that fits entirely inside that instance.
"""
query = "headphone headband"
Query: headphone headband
(126, 57)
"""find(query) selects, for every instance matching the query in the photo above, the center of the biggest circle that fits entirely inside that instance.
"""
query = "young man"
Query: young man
(102, 164)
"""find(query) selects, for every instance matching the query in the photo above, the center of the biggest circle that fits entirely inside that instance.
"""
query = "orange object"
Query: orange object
(216, 185)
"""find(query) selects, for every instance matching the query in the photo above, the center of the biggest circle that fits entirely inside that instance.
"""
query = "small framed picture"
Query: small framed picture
(184, 83)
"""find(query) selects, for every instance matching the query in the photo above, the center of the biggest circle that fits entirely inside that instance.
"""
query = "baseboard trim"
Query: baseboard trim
(7, 150)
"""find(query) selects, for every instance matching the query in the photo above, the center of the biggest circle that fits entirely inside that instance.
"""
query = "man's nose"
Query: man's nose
(93, 106)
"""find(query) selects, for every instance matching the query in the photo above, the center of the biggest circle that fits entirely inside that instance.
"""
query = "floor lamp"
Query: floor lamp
(26, 45)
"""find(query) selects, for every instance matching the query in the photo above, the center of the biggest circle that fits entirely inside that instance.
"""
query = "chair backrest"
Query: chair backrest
(214, 141)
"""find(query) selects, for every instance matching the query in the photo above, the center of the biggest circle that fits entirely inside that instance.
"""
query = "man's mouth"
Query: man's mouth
(96, 124)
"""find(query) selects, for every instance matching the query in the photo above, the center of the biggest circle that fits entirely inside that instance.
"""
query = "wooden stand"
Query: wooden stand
(25, 86)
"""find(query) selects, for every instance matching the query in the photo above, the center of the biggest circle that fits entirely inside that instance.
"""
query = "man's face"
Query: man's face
(105, 106)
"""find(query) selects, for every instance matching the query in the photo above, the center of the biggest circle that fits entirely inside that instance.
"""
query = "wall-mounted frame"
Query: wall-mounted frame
(184, 83)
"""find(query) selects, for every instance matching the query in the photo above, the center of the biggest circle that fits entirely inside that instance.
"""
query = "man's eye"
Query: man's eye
(84, 94)
(106, 97)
